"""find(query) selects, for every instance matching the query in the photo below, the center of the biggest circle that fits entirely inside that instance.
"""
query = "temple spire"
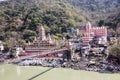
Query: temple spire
(88, 25)
(42, 35)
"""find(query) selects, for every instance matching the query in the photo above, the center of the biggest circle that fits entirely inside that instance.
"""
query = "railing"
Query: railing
(38, 54)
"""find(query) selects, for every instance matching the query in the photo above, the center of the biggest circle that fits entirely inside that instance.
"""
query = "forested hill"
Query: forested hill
(94, 5)
(97, 8)
(19, 18)
(113, 21)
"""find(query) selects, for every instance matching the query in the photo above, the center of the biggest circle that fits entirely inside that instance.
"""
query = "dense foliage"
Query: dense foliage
(99, 9)
(115, 51)
(113, 21)
(19, 19)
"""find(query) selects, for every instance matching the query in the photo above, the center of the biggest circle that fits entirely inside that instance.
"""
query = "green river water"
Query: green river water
(14, 72)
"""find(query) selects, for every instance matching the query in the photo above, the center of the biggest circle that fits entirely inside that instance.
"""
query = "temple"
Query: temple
(41, 44)
(90, 32)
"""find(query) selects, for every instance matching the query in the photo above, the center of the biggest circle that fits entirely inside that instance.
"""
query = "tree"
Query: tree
(111, 32)
(115, 52)
(21, 42)
(101, 23)
(29, 35)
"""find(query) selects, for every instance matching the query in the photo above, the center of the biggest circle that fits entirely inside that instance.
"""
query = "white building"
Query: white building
(19, 50)
(1, 46)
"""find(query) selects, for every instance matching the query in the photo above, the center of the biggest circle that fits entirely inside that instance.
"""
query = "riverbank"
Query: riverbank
(102, 67)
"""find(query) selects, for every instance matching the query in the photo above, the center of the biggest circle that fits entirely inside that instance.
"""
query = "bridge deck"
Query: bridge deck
(34, 55)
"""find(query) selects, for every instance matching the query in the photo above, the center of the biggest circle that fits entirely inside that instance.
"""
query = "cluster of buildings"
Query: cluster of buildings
(44, 43)
(90, 33)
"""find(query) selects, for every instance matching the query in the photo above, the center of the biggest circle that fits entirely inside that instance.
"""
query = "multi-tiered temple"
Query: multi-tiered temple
(41, 44)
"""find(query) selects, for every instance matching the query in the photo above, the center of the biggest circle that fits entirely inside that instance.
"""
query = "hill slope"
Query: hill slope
(113, 21)
(19, 19)
(97, 8)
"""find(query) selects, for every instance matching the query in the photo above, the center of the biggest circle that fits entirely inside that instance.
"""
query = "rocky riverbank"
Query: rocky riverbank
(102, 67)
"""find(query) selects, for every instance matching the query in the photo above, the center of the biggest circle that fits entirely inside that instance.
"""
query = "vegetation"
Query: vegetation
(115, 51)
(113, 21)
(19, 19)
(98, 9)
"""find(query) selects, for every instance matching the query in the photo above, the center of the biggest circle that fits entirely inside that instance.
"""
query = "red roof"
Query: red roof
(97, 31)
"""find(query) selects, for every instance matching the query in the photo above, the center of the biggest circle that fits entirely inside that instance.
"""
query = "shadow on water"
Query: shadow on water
(40, 73)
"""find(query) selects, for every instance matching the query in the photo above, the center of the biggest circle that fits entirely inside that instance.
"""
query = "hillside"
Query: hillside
(97, 8)
(113, 21)
(19, 19)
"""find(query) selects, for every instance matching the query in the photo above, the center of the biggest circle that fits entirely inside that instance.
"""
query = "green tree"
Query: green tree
(101, 23)
(115, 51)
(29, 35)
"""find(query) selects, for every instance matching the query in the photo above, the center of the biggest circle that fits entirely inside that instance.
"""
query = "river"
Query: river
(14, 72)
